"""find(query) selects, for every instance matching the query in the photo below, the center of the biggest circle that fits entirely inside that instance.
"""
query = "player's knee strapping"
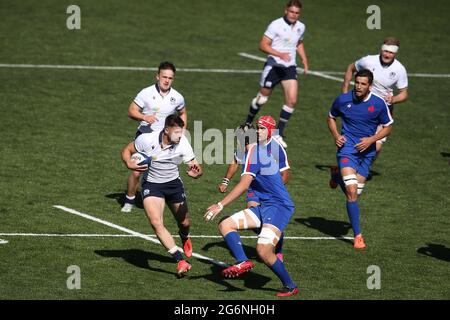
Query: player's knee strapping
(240, 218)
(267, 236)
(259, 100)
(360, 188)
(350, 179)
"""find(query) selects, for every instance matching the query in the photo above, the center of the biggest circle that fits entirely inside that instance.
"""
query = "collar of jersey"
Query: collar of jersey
(288, 22)
(385, 65)
(159, 90)
(160, 141)
(355, 98)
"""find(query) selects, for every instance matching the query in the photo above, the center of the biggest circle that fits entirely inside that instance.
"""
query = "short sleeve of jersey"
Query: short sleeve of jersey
(181, 104)
(303, 34)
(283, 162)
(142, 143)
(252, 166)
(361, 63)
(186, 149)
(402, 82)
(334, 111)
(271, 31)
(385, 117)
(140, 99)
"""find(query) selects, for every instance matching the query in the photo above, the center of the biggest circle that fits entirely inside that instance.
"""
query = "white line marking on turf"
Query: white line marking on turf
(324, 74)
(93, 235)
(134, 233)
(3, 241)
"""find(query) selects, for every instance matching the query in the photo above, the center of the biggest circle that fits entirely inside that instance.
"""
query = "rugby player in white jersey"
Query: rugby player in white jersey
(151, 107)
(388, 74)
(166, 149)
(282, 40)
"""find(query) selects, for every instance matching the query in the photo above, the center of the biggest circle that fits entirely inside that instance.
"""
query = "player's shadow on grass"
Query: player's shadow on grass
(332, 228)
(326, 167)
(438, 251)
(120, 196)
(446, 155)
(138, 258)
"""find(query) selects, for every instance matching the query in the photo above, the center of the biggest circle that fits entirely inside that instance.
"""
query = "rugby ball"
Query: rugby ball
(139, 158)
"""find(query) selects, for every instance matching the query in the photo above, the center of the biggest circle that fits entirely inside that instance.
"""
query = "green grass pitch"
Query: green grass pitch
(62, 131)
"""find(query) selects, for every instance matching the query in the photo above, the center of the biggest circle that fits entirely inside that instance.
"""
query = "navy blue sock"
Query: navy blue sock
(353, 214)
(177, 256)
(252, 112)
(279, 246)
(285, 114)
(280, 270)
(234, 243)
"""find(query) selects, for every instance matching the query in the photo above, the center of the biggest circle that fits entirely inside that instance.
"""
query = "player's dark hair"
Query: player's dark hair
(174, 120)
(166, 65)
(294, 3)
(366, 74)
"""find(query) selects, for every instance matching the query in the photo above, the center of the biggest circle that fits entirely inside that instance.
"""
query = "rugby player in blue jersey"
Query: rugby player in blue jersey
(261, 173)
(362, 112)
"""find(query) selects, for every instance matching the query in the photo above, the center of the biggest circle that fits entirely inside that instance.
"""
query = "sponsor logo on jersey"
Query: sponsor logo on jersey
(349, 105)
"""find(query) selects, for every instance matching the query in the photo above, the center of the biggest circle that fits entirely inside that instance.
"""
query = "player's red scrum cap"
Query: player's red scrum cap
(269, 123)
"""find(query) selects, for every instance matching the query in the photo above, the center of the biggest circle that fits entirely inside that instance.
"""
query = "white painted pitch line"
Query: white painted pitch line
(200, 70)
(3, 241)
(134, 233)
(93, 235)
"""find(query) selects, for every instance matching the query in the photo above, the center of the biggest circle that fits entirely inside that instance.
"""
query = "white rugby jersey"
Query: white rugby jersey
(285, 38)
(164, 165)
(152, 102)
(384, 78)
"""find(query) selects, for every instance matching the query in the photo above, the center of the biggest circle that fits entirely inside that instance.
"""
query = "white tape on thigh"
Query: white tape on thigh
(360, 188)
(350, 179)
(254, 217)
(267, 236)
(238, 217)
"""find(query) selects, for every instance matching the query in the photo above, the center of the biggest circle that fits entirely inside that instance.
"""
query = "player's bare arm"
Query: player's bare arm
(231, 170)
(183, 115)
(332, 126)
(265, 46)
(285, 175)
(237, 191)
(126, 158)
(302, 53)
(348, 77)
(367, 142)
(195, 170)
(134, 112)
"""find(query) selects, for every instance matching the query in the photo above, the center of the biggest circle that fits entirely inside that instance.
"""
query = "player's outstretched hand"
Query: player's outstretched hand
(194, 171)
(213, 211)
